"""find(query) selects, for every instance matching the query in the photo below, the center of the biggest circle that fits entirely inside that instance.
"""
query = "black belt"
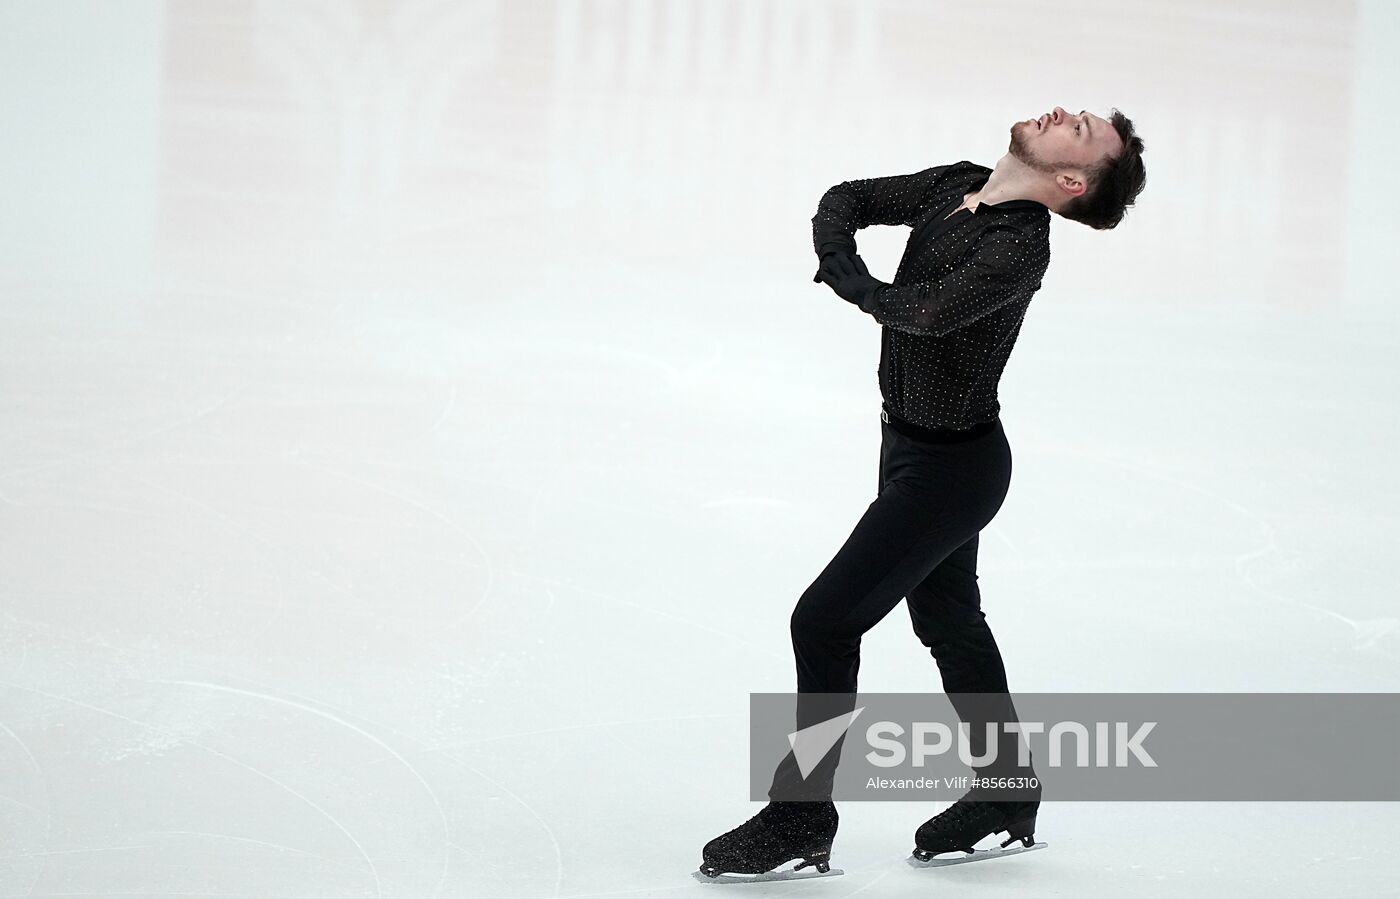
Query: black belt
(936, 435)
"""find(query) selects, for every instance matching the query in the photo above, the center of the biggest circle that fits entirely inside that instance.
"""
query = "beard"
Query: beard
(1020, 149)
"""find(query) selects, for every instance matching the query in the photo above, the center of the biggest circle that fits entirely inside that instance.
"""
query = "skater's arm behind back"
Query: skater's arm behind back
(1006, 266)
(851, 205)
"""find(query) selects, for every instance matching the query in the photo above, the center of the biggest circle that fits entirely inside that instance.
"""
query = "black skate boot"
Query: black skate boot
(959, 828)
(779, 833)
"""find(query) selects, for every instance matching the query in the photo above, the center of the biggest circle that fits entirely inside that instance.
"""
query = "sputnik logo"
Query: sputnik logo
(811, 744)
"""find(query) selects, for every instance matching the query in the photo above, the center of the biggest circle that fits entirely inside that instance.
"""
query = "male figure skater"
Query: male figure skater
(977, 254)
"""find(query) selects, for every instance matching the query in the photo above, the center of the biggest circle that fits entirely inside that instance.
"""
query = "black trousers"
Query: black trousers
(917, 541)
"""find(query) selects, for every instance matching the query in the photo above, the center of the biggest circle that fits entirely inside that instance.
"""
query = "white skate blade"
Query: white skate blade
(978, 855)
(769, 877)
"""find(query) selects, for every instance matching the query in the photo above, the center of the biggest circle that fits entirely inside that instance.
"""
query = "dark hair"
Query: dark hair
(1114, 182)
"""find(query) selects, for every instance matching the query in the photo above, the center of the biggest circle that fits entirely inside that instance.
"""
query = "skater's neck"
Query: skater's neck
(1010, 180)
(1013, 179)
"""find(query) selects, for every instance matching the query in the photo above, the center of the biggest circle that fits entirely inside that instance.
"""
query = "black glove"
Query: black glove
(848, 276)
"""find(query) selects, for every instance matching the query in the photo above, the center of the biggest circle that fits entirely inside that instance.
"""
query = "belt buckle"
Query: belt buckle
(884, 415)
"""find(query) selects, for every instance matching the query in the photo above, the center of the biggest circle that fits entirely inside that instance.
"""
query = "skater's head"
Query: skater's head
(1088, 168)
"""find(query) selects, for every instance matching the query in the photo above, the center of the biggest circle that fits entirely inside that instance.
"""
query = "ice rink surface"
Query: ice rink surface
(417, 422)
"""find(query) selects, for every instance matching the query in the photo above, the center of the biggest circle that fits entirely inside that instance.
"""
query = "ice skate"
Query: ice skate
(779, 833)
(961, 826)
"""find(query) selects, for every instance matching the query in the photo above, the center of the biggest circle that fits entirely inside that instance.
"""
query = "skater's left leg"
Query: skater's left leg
(945, 609)
(946, 612)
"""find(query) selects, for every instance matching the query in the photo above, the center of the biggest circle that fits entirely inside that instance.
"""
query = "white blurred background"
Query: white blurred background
(417, 422)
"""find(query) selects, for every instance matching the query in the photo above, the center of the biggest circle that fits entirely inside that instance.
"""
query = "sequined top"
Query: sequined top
(954, 308)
